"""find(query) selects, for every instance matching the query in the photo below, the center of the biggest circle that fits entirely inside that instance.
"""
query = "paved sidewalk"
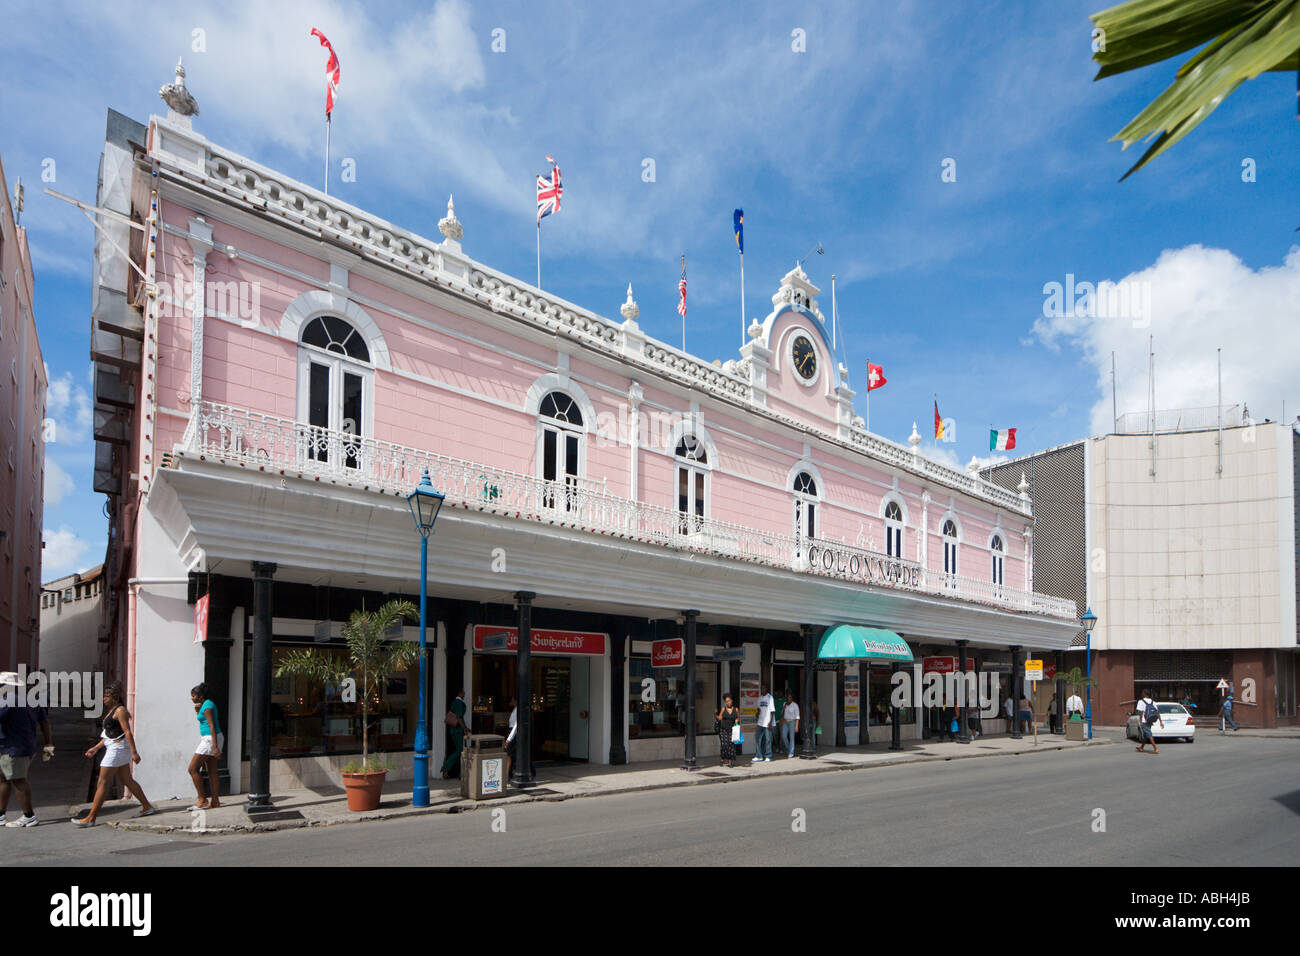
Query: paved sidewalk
(328, 806)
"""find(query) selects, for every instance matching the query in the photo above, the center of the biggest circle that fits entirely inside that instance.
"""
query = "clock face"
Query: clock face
(804, 357)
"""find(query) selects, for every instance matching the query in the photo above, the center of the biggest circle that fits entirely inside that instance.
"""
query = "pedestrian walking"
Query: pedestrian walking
(18, 726)
(1227, 713)
(726, 718)
(1009, 712)
(789, 726)
(510, 738)
(1053, 718)
(1148, 717)
(455, 721)
(976, 723)
(211, 742)
(118, 744)
(766, 718)
(945, 724)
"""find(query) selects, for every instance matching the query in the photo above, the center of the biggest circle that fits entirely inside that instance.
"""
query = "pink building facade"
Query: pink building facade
(23, 390)
(301, 363)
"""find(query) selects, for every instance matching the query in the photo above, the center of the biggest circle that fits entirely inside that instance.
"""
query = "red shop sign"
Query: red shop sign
(940, 665)
(667, 653)
(541, 641)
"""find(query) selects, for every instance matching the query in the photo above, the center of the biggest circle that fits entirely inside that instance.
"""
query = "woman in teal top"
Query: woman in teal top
(208, 752)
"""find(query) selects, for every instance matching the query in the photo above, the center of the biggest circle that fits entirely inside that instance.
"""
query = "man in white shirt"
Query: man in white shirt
(766, 717)
(790, 727)
(1074, 705)
(1148, 716)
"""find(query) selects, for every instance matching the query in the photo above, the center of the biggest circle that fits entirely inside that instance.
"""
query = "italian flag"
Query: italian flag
(1002, 439)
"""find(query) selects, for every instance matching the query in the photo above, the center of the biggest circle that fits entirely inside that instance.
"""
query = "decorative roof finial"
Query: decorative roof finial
(177, 97)
(914, 439)
(449, 226)
(1023, 487)
(755, 330)
(629, 309)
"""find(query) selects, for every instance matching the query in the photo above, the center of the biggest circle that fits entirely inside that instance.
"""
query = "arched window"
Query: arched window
(805, 505)
(692, 483)
(560, 449)
(995, 546)
(893, 530)
(950, 548)
(335, 389)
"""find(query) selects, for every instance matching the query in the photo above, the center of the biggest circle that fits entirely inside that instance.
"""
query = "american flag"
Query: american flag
(332, 73)
(548, 192)
(681, 287)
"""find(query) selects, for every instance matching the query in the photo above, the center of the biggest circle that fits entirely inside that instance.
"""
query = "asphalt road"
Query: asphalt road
(1221, 801)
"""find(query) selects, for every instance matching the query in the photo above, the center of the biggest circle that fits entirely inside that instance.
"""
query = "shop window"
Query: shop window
(335, 389)
(878, 690)
(663, 716)
(893, 530)
(309, 716)
(692, 484)
(560, 450)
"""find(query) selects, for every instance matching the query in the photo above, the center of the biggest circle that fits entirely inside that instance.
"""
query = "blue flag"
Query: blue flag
(738, 220)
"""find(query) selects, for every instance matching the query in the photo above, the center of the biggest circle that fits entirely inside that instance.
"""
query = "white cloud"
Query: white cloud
(69, 405)
(63, 552)
(1200, 299)
(58, 483)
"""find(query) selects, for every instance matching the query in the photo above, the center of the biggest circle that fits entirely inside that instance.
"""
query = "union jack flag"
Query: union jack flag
(548, 192)
(681, 287)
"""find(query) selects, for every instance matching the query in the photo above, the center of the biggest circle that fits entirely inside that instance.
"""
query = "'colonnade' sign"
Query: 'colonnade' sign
(864, 568)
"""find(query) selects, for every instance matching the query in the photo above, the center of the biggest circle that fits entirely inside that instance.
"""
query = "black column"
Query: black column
(618, 688)
(259, 758)
(1017, 688)
(1060, 693)
(216, 665)
(523, 765)
(688, 660)
(806, 715)
(895, 732)
(963, 726)
(841, 738)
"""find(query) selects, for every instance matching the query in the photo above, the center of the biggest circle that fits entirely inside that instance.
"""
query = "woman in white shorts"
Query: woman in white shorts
(118, 744)
(208, 752)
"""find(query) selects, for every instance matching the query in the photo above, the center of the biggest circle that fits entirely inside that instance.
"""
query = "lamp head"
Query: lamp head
(1088, 620)
(425, 502)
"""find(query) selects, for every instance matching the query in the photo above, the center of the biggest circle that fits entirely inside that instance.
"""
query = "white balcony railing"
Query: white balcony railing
(232, 435)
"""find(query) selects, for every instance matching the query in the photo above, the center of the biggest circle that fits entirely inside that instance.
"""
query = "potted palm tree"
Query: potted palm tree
(371, 658)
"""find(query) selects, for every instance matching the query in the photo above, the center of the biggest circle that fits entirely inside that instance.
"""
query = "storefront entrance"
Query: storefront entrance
(561, 711)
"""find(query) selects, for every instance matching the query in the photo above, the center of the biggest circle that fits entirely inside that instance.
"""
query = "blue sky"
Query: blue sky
(843, 143)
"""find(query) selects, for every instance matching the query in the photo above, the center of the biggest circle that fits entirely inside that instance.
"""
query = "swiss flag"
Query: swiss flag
(875, 376)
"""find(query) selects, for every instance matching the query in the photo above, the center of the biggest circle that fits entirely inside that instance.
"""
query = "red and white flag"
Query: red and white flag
(331, 72)
(875, 377)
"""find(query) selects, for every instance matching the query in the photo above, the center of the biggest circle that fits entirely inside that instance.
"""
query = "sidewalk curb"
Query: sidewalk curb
(461, 805)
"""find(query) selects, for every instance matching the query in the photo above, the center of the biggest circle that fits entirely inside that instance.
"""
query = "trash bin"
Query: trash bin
(1075, 729)
(483, 767)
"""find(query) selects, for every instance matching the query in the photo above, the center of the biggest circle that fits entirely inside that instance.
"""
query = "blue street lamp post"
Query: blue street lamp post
(1089, 621)
(425, 503)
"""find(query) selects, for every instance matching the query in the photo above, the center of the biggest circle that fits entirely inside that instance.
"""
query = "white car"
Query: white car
(1178, 723)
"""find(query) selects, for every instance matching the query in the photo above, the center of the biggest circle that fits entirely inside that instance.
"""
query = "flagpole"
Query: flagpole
(868, 425)
(327, 154)
(683, 314)
(742, 299)
(539, 254)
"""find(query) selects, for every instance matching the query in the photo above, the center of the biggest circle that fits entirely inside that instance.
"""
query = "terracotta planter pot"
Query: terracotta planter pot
(364, 789)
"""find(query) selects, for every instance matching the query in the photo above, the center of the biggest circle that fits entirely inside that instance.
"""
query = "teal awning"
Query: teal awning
(854, 643)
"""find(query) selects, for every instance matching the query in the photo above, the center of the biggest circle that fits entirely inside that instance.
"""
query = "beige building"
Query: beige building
(23, 388)
(1182, 537)
(70, 619)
